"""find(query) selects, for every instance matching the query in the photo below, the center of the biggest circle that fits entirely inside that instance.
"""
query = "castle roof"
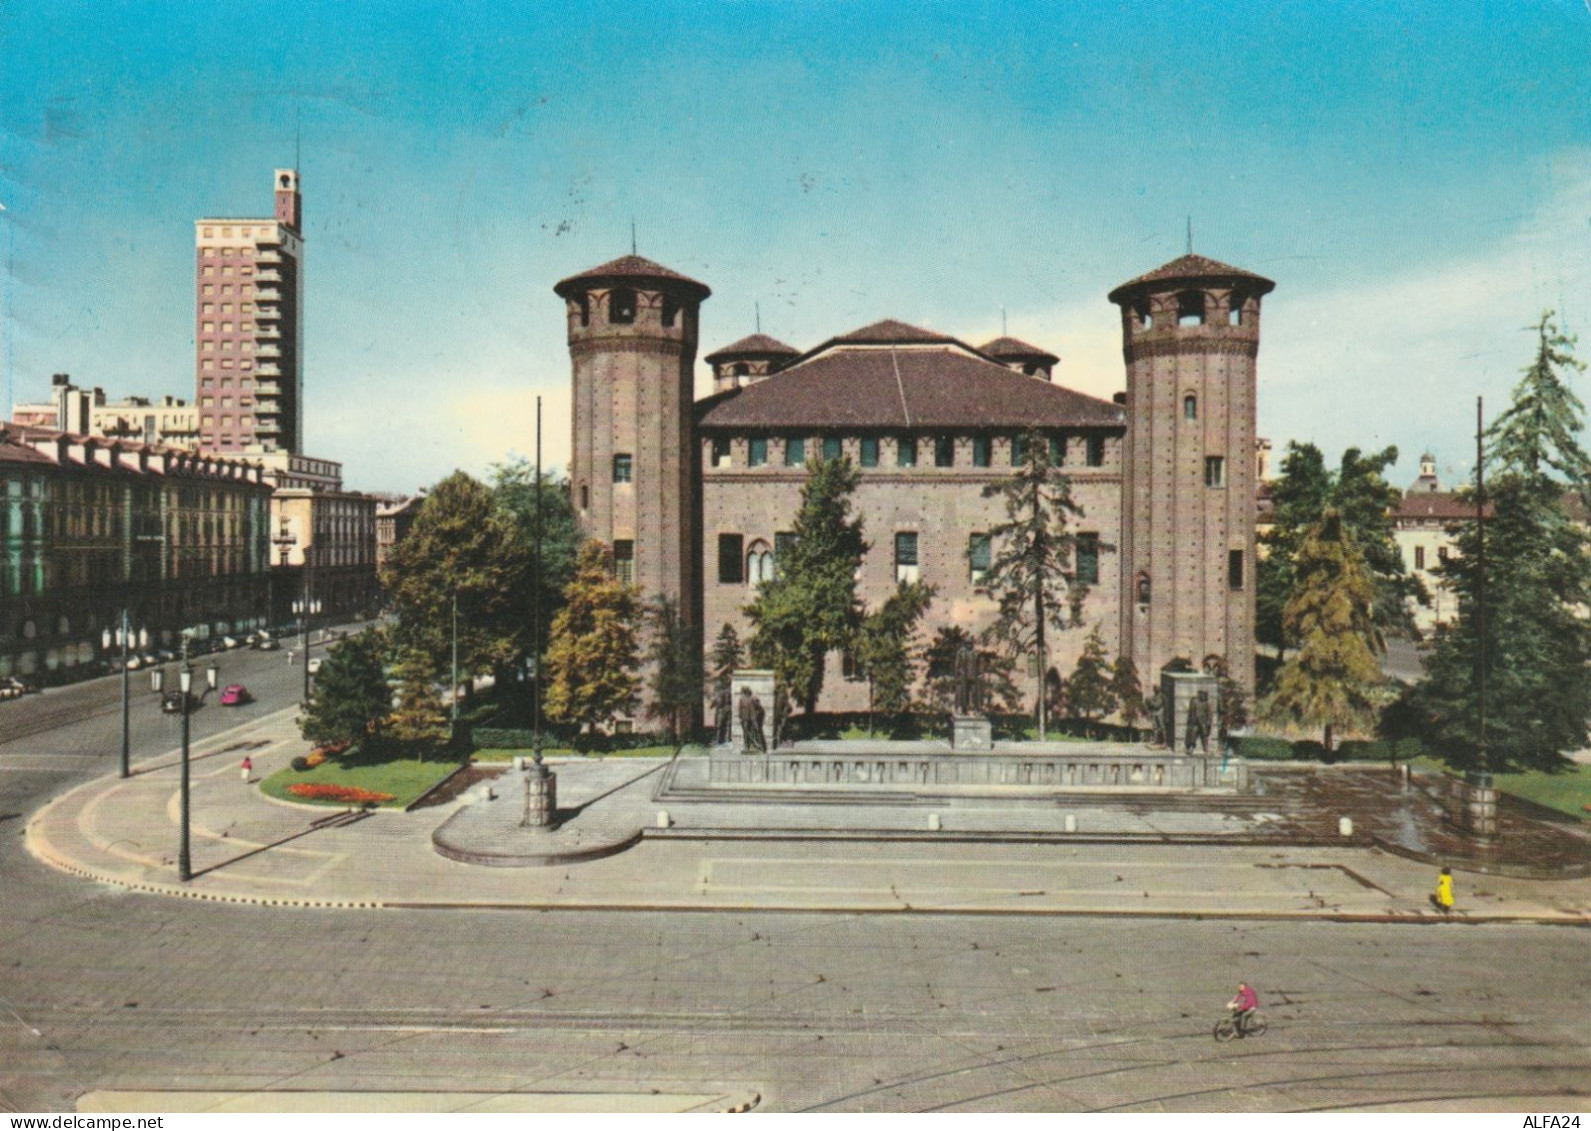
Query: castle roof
(631, 269)
(890, 375)
(1192, 268)
(754, 345)
(1015, 349)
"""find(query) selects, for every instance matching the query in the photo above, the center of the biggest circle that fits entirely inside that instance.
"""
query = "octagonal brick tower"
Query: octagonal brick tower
(1190, 336)
(634, 472)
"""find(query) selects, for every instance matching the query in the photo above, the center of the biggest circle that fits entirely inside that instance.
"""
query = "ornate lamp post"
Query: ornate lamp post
(106, 641)
(212, 676)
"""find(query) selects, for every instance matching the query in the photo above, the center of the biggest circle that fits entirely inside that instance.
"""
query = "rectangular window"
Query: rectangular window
(981, 451)
(1441, 553)
(831, 447)
(906, 451)
(731, 548)
(1234, 569)
(869, 451)
(980, 552)
(720, 453)
(1057, 451)
(624, 561)
(944, 451)
(1019, 446)
(758, 451)
(1214, 471)
(795, 452)
(1096, 451)
(1419, 557)
(1087, 552)
(622, 469)
(906, 556)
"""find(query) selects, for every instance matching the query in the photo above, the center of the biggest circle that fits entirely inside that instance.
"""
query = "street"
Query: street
(107, 993)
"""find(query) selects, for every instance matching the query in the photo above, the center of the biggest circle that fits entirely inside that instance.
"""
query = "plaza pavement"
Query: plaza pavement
(734, 855)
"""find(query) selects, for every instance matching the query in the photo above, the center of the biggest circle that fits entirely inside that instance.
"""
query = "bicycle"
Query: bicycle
(1226, 1028)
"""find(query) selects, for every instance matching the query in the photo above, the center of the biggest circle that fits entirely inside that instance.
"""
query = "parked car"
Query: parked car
(171, 702)
(266, 644)
(235, 695)
(11, 688)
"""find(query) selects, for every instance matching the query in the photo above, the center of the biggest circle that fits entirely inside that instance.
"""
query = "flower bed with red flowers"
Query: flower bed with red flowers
(321, 791)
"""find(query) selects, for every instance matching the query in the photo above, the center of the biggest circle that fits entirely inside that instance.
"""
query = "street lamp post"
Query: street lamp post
(108, 639)
(212, 675)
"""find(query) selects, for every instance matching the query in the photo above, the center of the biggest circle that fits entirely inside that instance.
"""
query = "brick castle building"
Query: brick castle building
(696, 497)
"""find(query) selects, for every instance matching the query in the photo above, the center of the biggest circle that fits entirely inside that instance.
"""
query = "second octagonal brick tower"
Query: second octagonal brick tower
(634, 467)
(1190, 337)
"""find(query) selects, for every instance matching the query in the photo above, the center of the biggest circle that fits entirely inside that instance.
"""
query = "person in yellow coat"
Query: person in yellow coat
(1442, 897)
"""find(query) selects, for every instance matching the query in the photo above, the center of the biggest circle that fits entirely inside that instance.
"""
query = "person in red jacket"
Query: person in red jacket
(1243, 1006)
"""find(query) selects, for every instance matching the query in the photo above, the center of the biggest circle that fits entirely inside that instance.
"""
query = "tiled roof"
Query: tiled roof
(631, 268)
(936, 387)
(892, 331)
(1015, 349)
(1434, 506)
(755, 345)
(1192, 267)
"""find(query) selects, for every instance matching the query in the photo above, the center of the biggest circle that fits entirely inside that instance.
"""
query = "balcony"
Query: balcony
(271, 333)
(267, 369)
(268, 351)
(267, 294)
(263, 313)
(268, 257)
(267, 427)
(268, 275)
(267, 389)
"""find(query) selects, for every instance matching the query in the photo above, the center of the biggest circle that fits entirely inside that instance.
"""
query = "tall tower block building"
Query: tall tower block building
(1190, 337)
(248, 326)
(635, 472)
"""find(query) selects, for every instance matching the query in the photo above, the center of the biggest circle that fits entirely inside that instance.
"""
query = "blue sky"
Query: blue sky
(1416, 178)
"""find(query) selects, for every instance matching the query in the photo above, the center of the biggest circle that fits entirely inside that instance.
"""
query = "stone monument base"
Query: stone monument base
(971, 733)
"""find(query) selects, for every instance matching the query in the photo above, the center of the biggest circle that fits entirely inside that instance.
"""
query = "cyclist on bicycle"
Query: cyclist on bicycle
(1243, 1006)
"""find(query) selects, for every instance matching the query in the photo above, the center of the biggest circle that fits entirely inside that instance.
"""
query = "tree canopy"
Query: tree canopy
(594, 650)
(810, 607)
(351, 698)
(886, 646)
(1033, 573)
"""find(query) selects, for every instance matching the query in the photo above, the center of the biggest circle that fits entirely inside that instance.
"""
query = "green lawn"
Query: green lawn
(404, 778)
(1568, 792)
(496, 755)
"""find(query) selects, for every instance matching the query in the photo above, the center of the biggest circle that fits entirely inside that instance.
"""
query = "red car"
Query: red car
(235, 695)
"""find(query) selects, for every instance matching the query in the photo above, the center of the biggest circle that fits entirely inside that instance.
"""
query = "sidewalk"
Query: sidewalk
(988, 856)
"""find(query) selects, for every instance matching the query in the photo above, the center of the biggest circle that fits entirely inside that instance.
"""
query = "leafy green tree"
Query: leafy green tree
(1365, 502)
(514, 495)
(351, 698)
(1128, 690)
(885, 648)
(420, 718)
(728, 654)
(1330, 682)
(675, 657)
(593, 653)
(1088, 691)
(939, 659)
(1523, 581)
(1033, 575)
(810, 608)
(461, 545)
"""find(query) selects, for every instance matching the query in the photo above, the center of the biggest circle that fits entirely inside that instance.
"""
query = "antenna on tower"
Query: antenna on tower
(1002, 322)
(632, 237)
(1190, 235)
(757, 306)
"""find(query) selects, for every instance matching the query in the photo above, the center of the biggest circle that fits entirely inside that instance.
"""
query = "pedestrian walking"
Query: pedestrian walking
(248, 769)
(1442, 897)
(290, 654)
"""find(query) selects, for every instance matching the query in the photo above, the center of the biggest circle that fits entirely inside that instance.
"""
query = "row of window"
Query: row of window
(622, 305)
(910, 451)
(741, 564)
(1191, 306)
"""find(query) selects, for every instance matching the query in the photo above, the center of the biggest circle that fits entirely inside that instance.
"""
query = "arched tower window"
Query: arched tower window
(585, 309)
(1234, 313)
(1190, 308)
(1190, 407)
(742, 369)
(621, 306)
(759, 563)
(1143, 590)
(670, 311)
(1145, 317)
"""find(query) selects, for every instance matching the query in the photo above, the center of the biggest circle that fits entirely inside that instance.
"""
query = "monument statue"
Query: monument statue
(1156, 706)
(969, 681)
(1198, 726)
(751, 720)
(723, 715)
